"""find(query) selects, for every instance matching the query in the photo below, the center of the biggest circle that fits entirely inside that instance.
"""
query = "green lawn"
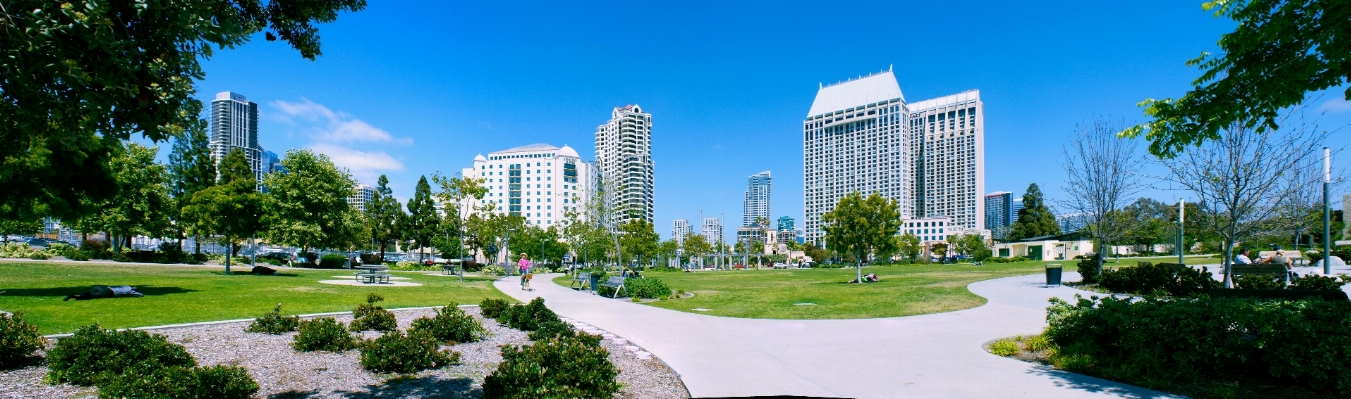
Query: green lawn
(903, 290)
(182, 294)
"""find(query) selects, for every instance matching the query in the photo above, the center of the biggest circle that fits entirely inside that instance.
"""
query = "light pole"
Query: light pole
(1181, 215)
(1327, 210)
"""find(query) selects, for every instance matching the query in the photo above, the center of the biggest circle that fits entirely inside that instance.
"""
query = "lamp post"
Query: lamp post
(1327, 219)
(1181, 214)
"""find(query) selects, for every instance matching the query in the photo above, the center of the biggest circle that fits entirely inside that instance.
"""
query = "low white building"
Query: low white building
(931, 230)
(1061, 247)
(538, 182)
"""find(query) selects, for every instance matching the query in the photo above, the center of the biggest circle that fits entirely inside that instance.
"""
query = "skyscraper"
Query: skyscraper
(757, 200)
(234, 124)
(711, 230)
(361, 197)
(539, 182)
(624, 158)
(856, 138)
(999, 209)
(861, 136)
(680, 228)
(949, 147)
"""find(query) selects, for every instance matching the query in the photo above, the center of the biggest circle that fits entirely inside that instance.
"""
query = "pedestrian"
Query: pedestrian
(524, 264)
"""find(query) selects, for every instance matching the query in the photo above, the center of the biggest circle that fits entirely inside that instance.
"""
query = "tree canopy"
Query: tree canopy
(309, 206)
(422, 224)
(191, 170)
(382, 216)
(81, 76)
(1280, 51)
(141, 205)
(861, 226)
(1035, 219)
(638, 240)
(232, 209)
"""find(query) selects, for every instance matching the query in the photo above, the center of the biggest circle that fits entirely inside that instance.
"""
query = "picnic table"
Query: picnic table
(372, 274)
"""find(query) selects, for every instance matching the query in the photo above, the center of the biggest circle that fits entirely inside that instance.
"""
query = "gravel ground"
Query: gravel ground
(282, 372)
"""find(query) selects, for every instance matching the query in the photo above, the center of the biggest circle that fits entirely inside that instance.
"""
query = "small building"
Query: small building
(1053, 247)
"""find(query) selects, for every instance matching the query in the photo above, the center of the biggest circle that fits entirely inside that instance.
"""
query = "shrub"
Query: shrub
(576, 367)
(274, 323)
(95, 245)
(552, 329)
(411, 266)
(1155, 342)
(646, 288)
(224, 382)
(19, 341)
(323, 334)
(121, 257)
(79, 256)
(492, 308)
(1260, 282)
(528, 317)
(39, 256)
(332, 261)
(94, 354)
(1088, 269)
(493, 270)
(1158, 280)
(1317, 283)
(370, 317)
(451, 324)
(1005, 347)
(396, 352)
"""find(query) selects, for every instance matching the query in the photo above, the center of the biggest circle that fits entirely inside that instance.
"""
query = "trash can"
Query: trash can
(595, 281)
(1053, 274)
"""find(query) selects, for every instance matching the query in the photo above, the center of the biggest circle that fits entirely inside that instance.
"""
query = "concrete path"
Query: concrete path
(928, 356)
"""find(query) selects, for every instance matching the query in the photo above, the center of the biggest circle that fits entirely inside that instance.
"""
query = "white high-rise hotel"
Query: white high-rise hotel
(539, 182)
(861, 135)
(624, 158)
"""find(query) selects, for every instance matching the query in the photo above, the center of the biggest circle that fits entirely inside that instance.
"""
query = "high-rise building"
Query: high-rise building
(856, 138)
(361, 197)
(949, 147)
(756, 205)
(1016, 208)
(680, 228)
(999, 209)
(861, 136)
(234, 124)
(711, 230)
(624, 159)
(786, 225)
(539, 182)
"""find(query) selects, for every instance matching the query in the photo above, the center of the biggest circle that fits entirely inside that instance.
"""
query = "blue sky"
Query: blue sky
(408, 88)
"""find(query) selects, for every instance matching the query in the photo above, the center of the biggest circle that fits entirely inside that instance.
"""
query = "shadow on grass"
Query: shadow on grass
(416, 387)
(61, 292)
(247, 274)
(1080, 382)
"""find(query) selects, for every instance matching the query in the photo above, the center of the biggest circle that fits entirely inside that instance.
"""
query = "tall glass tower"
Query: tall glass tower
(756, 204)
(234, 124)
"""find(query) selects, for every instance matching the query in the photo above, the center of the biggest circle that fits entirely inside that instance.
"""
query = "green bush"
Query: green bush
(493, 270)
(552, 329)
(1157, 342)
(528, 317)
(79, 256)
(332, 261)
(996, 259)
(408, 265)
(94, 354)
(451, 324)
(274, 323)
(223, 382)
(554, 368)
(1260, 282)
(19, 341)
(396, 352)
(1005, 347)
(492, 308)
(121, 257)
(1317, 283)
(367, 316)
(39, 256)
(1158, 280)
(646, 288)
(323, 334)
(1088, 270)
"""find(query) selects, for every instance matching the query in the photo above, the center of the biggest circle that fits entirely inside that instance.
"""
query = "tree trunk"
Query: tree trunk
(1228, 260)
(197, 241)
(1100, 257)
(858, 269)
(382, 252)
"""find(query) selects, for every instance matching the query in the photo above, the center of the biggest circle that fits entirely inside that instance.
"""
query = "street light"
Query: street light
(1327, 209)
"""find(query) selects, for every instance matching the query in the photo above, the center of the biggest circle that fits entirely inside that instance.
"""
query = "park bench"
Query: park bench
(615, 282)
(449, 269)
(1262, 269)
(1295, 257)
(581, 279)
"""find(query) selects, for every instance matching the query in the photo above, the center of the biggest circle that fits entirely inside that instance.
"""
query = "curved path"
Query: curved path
(927, 356)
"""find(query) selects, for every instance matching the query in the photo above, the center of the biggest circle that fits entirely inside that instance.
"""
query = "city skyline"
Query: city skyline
(419, 95)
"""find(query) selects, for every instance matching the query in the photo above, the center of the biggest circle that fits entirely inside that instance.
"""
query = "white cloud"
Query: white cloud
(1336, 106)
(364, 165)
(337, 127)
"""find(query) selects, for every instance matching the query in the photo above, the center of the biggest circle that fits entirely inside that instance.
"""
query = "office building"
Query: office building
(539, 182)
(624, 159)
(750, 235)
(363, 196)
(1016, 208)
(862, 136)
(756, 205)
(855, 138)
(786, 225)
(999, 209)
(931, 230)
(712, 231)
(234, 125)
(680, 228)
(949, 148)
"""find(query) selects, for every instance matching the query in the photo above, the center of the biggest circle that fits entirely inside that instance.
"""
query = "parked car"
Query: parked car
(283, 257)
(435, 260)
(39, 243)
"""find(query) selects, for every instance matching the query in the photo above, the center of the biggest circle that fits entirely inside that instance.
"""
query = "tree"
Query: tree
(1099, 179)
(1035, 219)
(382, 216)
(1149, 223)
(1242, 179)
(1280, 51)
(422, 224)
(638, 240)
(82, 76)
(972, 245)
(142, 205)
(232, 209)
(191, 170)
(459, 196)
(308, 206)
(12, 226)
(908, 245)
(668, 249)
(861, 226)
(696, 247)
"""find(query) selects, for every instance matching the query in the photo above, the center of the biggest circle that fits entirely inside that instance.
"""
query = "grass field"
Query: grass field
(182, 294)
(903, 290)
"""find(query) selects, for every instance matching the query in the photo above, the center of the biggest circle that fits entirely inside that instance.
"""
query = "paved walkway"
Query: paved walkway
(928, 356)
